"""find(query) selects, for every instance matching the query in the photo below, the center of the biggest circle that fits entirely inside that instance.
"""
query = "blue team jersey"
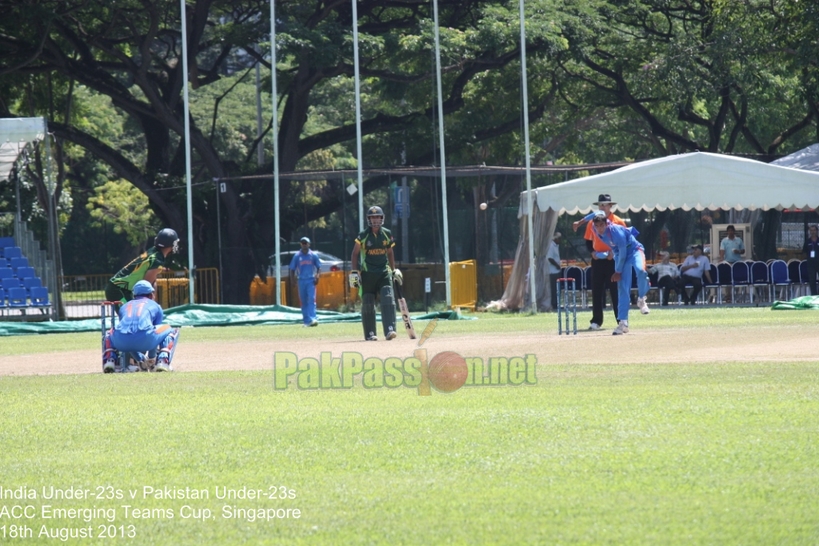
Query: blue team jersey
(306, 265)
(139, 315)
(622, 241)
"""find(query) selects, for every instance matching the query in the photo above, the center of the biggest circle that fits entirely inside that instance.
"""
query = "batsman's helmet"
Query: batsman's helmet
(374, 212)
(167, 238)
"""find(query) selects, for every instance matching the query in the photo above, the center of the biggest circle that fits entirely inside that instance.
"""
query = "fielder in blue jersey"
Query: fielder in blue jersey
(307, 267)
(140, 332)
(629, 255)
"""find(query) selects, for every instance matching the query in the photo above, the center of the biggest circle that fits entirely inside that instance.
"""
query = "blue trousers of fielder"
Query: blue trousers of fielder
(635, 265)
(307, 295)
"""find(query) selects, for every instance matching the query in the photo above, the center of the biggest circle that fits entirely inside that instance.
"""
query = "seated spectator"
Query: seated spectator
(693, 268)
(668, 276)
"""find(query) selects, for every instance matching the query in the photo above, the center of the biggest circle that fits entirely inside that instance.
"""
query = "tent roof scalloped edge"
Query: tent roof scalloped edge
(697, 180)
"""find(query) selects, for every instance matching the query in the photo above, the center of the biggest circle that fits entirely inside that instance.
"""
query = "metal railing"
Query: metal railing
(82, 294)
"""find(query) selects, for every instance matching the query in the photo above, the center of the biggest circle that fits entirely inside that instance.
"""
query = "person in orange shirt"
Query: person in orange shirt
(602, 265)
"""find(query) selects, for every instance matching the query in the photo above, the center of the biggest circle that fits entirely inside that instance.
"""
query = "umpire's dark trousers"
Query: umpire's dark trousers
(812, 269)
(602, 270)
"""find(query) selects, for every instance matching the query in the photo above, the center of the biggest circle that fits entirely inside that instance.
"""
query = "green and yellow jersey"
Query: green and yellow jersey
(374, 247)
(135, 271)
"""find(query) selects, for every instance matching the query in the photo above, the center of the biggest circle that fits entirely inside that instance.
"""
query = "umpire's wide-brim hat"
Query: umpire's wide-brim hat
(604, 199)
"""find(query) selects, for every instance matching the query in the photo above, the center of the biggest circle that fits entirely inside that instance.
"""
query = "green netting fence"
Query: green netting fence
(210, 315)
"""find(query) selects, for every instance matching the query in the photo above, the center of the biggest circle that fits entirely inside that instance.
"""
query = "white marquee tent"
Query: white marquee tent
(696, 180)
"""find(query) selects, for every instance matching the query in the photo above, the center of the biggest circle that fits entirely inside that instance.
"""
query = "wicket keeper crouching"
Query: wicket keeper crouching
(374, 246)
(140, 331)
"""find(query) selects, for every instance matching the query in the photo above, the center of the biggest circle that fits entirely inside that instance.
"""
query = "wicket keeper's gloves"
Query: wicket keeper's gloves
(355, 279)
(398, 277)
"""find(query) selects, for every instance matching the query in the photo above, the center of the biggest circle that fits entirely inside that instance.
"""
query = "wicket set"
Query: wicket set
(108, 318)
(566, 304)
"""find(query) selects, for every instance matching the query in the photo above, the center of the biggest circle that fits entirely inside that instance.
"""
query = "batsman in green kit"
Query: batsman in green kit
(373, 265)
(145, 267)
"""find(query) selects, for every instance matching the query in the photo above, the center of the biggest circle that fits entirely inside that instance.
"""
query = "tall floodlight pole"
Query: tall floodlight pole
(275, 133)
(186, 109)
(529, 205)
(443, 153)
(358, 119)
(259, 123)
(53, 233)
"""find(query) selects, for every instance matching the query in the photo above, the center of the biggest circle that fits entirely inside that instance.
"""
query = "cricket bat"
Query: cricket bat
(405, 316)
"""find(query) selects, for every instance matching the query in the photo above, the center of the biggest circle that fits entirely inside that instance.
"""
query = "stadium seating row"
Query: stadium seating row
(20, 287)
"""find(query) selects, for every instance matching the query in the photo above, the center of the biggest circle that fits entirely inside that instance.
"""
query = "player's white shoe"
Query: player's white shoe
(622, 328)
(641, 303)
(594, 326)
(109, 366)
(391, 335)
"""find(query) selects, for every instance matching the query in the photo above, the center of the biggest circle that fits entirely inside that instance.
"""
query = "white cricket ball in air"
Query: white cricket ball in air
(484, 206)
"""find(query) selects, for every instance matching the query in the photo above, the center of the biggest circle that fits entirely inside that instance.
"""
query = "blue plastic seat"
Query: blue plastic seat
(724, 279)
(39, 297)
(778, 272)
(18, 297)
(760, 277)
(6, 273)
(804, 278)
(11, 282)
(740, 279)
(25, 272)
(31, 282)
(712, 287)
(12, 252)
(18, 262)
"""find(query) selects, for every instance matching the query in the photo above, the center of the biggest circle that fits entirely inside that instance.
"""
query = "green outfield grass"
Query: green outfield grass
(724, 453)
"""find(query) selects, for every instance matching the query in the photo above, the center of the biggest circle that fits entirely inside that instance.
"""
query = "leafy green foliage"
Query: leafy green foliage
(122, 207)
(670, 452)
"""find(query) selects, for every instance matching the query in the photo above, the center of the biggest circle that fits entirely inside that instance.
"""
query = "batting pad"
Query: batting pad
(387, 309)
(368, 314)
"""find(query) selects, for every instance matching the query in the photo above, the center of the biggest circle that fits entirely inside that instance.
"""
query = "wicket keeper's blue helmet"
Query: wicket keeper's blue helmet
(167, 238)
(143, 288)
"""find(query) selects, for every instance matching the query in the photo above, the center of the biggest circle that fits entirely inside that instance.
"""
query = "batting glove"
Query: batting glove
(355, 279)
(398, 277)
